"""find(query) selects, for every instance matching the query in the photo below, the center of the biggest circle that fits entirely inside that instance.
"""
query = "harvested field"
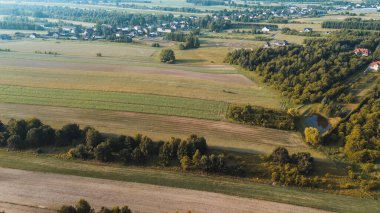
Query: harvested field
(221, 134)
(55, 190)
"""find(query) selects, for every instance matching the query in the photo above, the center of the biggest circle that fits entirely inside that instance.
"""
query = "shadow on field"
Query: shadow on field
(189, 61)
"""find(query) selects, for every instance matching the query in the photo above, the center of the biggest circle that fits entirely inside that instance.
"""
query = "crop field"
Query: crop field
(127, 69)
(224, 185)
(61, 189)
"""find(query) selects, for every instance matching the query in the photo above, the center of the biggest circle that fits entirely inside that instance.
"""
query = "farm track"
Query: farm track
(19, 195)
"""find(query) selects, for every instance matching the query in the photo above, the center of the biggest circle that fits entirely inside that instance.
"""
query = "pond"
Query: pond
(317, 121)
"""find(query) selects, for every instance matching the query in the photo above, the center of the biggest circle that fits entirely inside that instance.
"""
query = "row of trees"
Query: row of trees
(192, 153)
(190, 40)
(352, 24)
(310, 72)
(262, 117)
(82, 206)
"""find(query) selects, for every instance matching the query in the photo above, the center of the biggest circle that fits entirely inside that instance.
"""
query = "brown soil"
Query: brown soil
(27, 192)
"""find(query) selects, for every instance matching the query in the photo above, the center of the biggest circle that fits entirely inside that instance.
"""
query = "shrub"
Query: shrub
(280, 155)
(167, 56)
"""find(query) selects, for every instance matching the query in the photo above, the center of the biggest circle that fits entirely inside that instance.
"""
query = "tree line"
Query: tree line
(190, 41)
(353, 24)
(311, 72)
(257, 116)
(82, 206)
(190, 154)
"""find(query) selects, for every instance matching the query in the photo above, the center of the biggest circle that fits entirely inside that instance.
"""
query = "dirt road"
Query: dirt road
(26, 192)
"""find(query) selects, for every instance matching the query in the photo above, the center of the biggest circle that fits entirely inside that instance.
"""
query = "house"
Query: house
(374, 65)
(265, 30)
(33, 35)
(362, 52)
(308, 30)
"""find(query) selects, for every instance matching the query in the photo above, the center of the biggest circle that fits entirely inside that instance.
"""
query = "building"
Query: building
(362, 52)
(265, 30)
(308, 30)
(374, 65)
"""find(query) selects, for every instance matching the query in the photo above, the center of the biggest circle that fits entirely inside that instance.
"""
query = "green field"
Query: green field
(225, 185)
(132, 102)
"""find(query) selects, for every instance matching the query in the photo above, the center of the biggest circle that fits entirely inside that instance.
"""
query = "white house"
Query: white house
(265, 30)
(374, 65)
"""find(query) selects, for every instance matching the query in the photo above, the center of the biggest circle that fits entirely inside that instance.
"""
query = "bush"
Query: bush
(167, 56)
(155, 44)
(280, 155)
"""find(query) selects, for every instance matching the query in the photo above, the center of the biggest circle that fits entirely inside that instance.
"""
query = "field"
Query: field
(128, 69)
(61, 189)
(229, 186)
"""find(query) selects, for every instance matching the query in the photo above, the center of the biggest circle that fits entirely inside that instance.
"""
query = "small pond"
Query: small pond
(317, 121)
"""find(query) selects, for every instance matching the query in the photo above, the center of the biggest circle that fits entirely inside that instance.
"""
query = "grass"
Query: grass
(132, 102)
(132, 68)
(224, 185)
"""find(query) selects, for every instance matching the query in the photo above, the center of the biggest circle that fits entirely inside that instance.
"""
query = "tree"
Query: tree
(185, 163)
(17, 127)
(34, 137)
(15, 142)
(167, 56)
(280, 155)
(312, 135)
(197, 159)
(83, 206)
(67, 209)
(164, 155)
(93, 137)
(146, 146)
(138, 156)
(33, 123)
(103, 152)
(67, 134)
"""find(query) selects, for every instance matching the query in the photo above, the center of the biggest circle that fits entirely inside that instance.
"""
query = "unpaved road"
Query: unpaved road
(26, 192)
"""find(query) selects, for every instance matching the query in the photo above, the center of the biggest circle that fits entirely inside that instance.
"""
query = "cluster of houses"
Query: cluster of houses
(90, 33)
(263, 14)
(375, 65)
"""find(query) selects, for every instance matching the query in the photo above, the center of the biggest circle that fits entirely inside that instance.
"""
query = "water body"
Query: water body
(317, 121)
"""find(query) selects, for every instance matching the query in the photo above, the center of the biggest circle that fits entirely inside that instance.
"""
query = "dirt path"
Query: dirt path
(25, 192)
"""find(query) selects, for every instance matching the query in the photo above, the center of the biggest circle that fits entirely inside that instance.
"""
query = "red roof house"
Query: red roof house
(374, 65)
(362, 51)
